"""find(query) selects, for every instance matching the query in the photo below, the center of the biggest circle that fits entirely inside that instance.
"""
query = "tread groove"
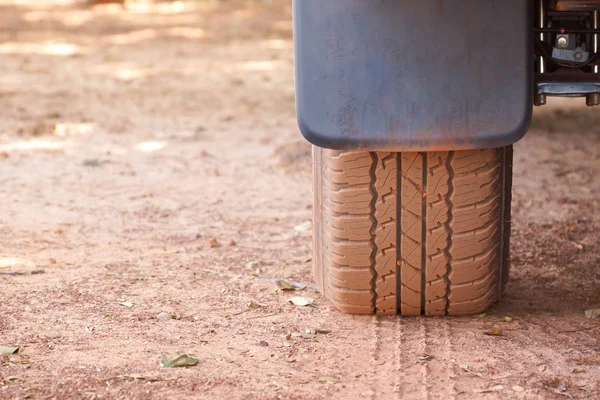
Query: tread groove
(373, 207)
(398, 233)
(449, 199)
(424, 235)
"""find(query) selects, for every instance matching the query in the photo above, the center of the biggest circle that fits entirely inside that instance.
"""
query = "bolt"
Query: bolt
(539, 100)
(592, 99)
(578, 56)
(562, 42)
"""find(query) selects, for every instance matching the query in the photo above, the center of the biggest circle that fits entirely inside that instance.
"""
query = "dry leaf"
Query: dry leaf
(212, 243)
(127, 304)
(254, 305)
(592, 313)
(19, 361)
(140, 377)
(11, 262)
(466, 368)
(282, 284)
(164, 316)
(305, 227)
(494, 332)
(301, 301)
(317, 331)
(493, 389)
(8, 350)
(181, 361)
(507, 319)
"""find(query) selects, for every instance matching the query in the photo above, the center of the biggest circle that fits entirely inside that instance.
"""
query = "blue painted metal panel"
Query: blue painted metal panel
(413, 75)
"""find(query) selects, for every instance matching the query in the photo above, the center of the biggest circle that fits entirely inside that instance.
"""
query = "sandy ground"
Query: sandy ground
(130, 138)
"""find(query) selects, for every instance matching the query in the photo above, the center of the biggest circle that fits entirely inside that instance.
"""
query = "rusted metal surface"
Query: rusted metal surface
(393, 75)
(577, 5)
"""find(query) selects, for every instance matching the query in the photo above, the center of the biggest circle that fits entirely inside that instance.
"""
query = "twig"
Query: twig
(582, 329)
(20, 273)
(264, 316)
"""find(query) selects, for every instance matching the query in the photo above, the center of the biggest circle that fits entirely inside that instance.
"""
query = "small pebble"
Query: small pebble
(212, 243)
(164, 316)
(252, 265)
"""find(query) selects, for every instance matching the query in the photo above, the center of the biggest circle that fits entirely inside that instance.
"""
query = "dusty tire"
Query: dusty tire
(412, 233)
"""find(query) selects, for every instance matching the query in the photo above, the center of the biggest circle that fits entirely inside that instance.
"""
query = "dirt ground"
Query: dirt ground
(131, 137)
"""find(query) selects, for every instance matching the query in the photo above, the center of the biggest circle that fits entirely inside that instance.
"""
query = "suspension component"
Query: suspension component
(539, 99)
(567, 47)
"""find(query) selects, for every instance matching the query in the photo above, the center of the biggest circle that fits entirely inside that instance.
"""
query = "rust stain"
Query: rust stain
(577, 5)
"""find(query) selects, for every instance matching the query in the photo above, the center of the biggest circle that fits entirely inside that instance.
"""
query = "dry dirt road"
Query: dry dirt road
(130, 138)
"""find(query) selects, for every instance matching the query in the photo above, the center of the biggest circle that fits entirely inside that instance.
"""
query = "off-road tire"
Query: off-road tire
(412, 233)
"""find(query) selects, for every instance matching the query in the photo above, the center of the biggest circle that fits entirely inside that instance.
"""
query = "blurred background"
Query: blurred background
(150, 163)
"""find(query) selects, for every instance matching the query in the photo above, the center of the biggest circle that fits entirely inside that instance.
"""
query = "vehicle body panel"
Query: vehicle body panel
(404, 75)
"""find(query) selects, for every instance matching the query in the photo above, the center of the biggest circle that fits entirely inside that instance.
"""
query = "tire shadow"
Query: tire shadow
(554, 267)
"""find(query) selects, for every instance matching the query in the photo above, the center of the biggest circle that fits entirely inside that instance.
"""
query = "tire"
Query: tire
(412, 233)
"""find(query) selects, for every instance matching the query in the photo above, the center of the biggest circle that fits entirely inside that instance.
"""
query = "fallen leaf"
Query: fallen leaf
(181, 361)
(8, 350)
(317, 332)
(282, 284)
(19, 361)
(21, 273)
(507, 319)
(493, 389)
(254, 305)
(140, 377)
(127, 304)
(8, 262)
(466, 368)
(592, 313)
(212, 243)
(562, 390)
(164, 316)
(18, 266)
(305, 227)
(301, 301)
(252, 265)
(92, 162)
(578, 371)
(327, 379)
(494, 332)
(517, 388)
